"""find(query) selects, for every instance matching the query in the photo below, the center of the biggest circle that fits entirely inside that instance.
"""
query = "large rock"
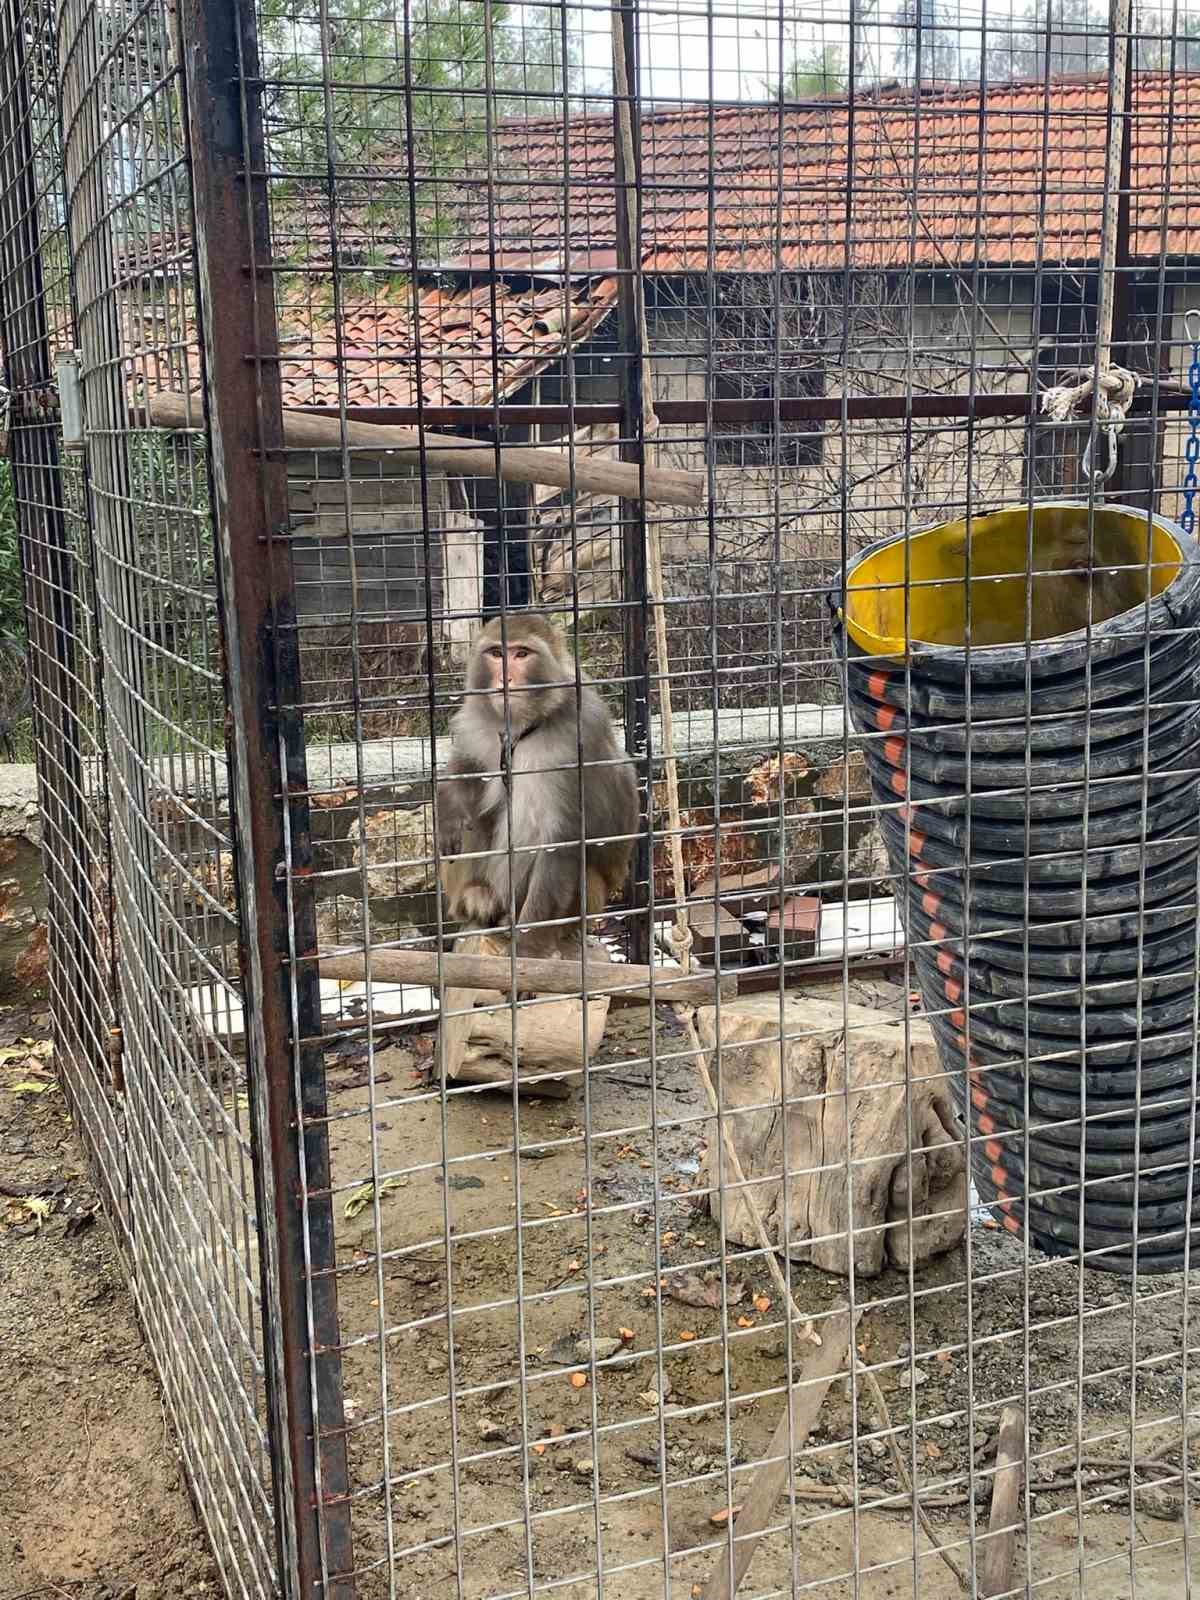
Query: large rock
(851, 1085)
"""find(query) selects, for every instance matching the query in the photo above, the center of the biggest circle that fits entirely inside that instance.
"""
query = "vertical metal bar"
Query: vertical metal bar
(632, 513)
(271, 830)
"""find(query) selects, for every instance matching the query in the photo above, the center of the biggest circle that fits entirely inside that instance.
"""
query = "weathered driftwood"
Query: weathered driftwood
(535, 975)
(849, 1096)
(996, 1549)
(444, 452)
(551, 1037)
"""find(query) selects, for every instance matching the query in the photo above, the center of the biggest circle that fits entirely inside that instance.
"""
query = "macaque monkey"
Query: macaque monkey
(553, 724)
(1071, 588)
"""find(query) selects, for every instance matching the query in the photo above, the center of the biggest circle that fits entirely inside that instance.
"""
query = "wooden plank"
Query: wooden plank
(996, 1549)
(820, 1366)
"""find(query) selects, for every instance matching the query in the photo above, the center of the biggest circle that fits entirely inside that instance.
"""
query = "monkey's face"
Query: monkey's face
(516, 676)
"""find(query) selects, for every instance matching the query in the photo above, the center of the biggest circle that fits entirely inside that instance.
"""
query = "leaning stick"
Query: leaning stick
(994, 1556)
(822, 1363)
(308, 430)
(535, 974)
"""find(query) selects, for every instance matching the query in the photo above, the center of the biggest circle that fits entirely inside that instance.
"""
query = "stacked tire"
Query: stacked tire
(1040, 806)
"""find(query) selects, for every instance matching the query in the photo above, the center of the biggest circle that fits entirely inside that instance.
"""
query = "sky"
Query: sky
(730, 49)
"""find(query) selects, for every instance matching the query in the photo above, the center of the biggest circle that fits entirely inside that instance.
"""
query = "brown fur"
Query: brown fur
(1070, 589)
(523, 673)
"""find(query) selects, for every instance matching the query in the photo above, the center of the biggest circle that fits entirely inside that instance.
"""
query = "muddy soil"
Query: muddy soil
(621, 1466)
(92, 1501)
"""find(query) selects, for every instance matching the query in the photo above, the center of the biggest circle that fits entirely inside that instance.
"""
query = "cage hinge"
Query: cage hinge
(70, 399)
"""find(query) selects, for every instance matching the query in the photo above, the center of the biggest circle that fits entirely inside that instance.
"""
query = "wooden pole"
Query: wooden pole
(533, 974)
(994, 1560)
(444, 452)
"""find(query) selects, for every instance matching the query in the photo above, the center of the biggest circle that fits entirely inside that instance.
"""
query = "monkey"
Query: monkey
(554, 725)
(1070, 586)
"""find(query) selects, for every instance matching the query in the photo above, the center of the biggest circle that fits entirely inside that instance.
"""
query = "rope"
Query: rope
(1111, 387)
(1191, 450)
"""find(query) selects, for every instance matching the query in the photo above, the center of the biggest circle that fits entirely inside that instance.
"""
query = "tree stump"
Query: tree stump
(551, 1038)
(848, 1098)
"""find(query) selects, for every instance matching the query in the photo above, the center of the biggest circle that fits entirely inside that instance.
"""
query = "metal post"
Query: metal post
(268, 788)
(632, 513)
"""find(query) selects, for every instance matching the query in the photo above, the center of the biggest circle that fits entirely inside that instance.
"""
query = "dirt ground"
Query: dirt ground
(625, 1470)
(92, 1500)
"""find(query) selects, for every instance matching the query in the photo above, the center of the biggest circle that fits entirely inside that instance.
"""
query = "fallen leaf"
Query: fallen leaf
(933, 1451)
(362, 1197)
(720, 1518)
(37, 1208)
(745, 1322)
(12, 1052)
(669, 1237)
(31, 1086)
(626, 1334)
(690, 1289)
(687, 1336)
(697, 1591)
(539, 1449)
(574, 1266)
(579, 1380)
(762, 1302)
(650, 1398)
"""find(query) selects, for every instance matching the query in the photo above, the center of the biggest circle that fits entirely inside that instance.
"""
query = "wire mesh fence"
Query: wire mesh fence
(691, 1088)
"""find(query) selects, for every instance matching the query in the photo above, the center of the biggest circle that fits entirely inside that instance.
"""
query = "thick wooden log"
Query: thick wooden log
(995, 1551)
(828, 1097)
(534, 975)
(306, 430)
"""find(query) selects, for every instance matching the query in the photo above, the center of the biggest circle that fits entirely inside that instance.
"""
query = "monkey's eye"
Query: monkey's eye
(521, 654)
(495, 652)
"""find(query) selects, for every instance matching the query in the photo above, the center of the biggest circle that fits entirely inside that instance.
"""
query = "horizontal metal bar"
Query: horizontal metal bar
(815, 408)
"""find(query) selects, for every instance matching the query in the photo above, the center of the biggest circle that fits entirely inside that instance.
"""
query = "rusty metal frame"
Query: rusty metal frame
(269, 801)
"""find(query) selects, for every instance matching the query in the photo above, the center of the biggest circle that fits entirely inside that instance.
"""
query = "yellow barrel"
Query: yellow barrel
(1072, 568)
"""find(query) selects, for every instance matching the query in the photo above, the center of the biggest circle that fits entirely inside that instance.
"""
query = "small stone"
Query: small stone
(699, 1463)
(919, 1377)
(583, 1467)
(490, 1429)
(877, 1448)
(434, 1365)
(598, 1349)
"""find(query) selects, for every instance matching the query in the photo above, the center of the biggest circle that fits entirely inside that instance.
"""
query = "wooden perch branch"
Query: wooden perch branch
(306, 430)
(534, 974)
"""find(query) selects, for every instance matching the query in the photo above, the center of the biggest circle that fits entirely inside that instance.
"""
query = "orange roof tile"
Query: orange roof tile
(947, 178)
(474, 344)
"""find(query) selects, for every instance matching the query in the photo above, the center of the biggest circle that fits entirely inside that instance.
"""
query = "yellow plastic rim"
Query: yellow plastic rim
(914, 590)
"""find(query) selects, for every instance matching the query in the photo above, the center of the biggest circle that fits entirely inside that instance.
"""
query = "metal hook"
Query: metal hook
(1191, 325)
(1105, 473)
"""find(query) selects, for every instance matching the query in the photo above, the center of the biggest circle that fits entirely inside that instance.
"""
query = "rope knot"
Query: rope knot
(1113, 388)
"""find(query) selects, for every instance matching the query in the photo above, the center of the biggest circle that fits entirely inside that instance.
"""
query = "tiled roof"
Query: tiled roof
(948, 178)
(474, 342)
